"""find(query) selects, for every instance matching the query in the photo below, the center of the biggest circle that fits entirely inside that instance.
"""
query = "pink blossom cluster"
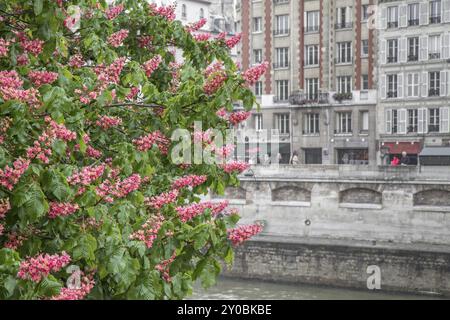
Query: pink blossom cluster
(60, 131)
(242, 233)
(106, 122)
(10, 84)
(117, 38)
(233, 41)
(159, 201)
(112, 12)
(115, 187)
(253, 74)
(221, 36)
(215, 76)
(31, 46)
(86, 175)
(167, 12)
(42, 265)
(1, 229)
(234, 117)
(193, 27)
(5, 123)
(189, 181)
(189, 212)
(234, 166)
(90, 151)
(76, 61)
(4, 44)
(38, 78)
(5, 206)
(9, 176)
(224, 151)
(145, 42)
(200, 37)
(22, 59)
(151, 65)
(134, 91)
(149, 230)
(146, 142)
(76, 293)
(14, 241)
(164, 267)
(175, 72)
(110, 74)
(62, 209)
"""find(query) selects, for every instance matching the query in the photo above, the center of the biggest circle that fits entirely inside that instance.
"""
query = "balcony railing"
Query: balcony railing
(343, 131)
(301, 98)
(281, 65)
(277, 99)
(281, 32)
(412, 129)
(344, 25)
(434, 92)
(413, 22)
(392, 94)
(433, 128)
(304, 132)
(343, 60)
(280, 1)
(392, 24)
(393, 59)
(312, 28)
(413, 57)
(434, 55)
(435, 19)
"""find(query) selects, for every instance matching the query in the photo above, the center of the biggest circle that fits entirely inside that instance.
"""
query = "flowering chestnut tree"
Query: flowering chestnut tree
(91, 203)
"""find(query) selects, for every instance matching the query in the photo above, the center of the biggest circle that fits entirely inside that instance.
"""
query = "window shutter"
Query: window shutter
(339, 16)
(383, 45)
(383, 18)
(424, 84)
(445, 120)
(423, 120)
(348, 14)
(383, 86)
(446, 10)
(444, 79)
(403, 16)
(388, 122)
(446, 46)
(424, 8)
(305, 19)
(403, 49)
(400, 85)
(402, 121)
(423, 43)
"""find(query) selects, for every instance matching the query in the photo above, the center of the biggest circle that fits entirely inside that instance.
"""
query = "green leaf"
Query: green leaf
(49, 286)
(38, 5)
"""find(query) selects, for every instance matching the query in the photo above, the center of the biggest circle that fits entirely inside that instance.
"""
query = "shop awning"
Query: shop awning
(399, 147)
(435, 152)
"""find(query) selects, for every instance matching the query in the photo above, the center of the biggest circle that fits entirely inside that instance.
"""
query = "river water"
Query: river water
(233, 289)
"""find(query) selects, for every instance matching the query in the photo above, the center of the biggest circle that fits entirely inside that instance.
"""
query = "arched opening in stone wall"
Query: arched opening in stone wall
(360, 196)
(432, 198)
(291, 193)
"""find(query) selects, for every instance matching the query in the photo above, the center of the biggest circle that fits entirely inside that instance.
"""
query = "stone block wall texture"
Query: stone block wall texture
(343, 266)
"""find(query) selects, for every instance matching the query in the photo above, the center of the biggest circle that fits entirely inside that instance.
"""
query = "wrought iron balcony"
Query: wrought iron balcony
(300, 98)
(312, 28)
(392, 94)
(281, 32)
(433, 128)
(435, 19)
(412, 129)
(434, 92)
(392, 24)
(413, 57)
(344, 25)
(413, 22)
(392, 59)
(280, 1)
(281, 65)
(434, 55)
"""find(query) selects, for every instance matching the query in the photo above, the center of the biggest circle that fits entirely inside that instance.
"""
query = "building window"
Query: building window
(258, 122)
(365, 81)
(258, 88)
(257, 24)
(282, 123)
(344, 84)
(394, 121)
(344, 18)
(183, 11)
(311, 123)
(282, 90)
(282, 25)
(392, 54)
(435, 11)
(392, 18)
(312, 88)
(413, 120)
(257, 55)
(282, 58)
(434, 47)
(413, 49)
(364, 122)
(413, 14)
(434, 125)
(202, 13)
(365, 12)
(435, 84)
(413, 84)
(312, 55)
(343, 122)
(392, 86)
(312, 21)
(365, 48)
(344, 54)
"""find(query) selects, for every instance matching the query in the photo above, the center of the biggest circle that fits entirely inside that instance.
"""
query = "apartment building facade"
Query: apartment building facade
(414, 95)
(320, 91)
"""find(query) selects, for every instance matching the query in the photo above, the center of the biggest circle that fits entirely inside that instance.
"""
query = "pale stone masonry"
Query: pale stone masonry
(330, 87)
